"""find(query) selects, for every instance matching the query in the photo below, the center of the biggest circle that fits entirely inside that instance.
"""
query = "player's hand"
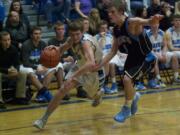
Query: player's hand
(41, 69)
(69, 59)
(96, 67)
(52, 47)
(156, 19)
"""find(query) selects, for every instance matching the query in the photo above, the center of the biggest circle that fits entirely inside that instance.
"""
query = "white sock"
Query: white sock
(176, 75)
(114, 80)
(158, 77)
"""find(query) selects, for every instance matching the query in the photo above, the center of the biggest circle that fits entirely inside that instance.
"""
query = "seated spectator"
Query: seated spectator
(16, 6)
(83, 8)
(18, 30)
(105, 40)
(166, 11)
(154, 8)
(39, 75)
(2, 15)
(9, 69)
(159, 48)
(94, 21)
(173, 40)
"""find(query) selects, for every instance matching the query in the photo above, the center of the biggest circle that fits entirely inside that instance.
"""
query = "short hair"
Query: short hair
(75, 25)
(35, 28)
(58, 24)
(118, 4)
(175, 16)
(102, 22)
(3, 33)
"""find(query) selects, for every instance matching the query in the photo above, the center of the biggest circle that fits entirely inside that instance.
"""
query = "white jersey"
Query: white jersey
(174, 36)
(107, 45)
(157, 43)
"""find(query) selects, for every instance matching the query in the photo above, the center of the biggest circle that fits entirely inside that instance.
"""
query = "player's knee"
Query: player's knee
(126, 80)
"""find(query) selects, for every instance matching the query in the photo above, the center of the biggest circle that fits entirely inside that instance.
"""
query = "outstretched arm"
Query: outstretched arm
(146, 22)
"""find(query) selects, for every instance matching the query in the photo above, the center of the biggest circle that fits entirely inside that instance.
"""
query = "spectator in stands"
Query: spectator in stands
(159, 48)
(31, 51)
(94, 21)
(105, 40)
(173, 40)
(18, 30)
(154, 8)
(2, 15)
(9, 69)
(83, 8)
(16, 6)
(166, 11)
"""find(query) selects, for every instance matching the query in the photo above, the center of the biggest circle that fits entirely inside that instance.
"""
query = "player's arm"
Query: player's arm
(67, 45)
(164, 47)
(169, 42)
(90, 60)
(111, 54)
(145, 22)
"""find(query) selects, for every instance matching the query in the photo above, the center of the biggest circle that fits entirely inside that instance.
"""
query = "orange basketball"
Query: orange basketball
(50, 56)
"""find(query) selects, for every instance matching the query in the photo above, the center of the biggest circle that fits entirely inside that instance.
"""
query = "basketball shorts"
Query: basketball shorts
(91, 81)
(138, 71)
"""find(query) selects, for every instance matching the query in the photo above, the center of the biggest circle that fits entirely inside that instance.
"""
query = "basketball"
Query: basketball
(50, 56)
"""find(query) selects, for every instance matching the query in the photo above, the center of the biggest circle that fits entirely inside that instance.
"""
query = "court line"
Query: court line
(152, 91)
(88, 119)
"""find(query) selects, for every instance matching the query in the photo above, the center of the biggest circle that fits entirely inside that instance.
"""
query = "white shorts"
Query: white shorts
(31, 70)
(91, 82)
(119, 60)
(169, 56)
(177, 53)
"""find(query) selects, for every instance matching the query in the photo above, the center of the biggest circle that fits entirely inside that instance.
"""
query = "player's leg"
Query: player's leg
(54, 103)
(129, 95)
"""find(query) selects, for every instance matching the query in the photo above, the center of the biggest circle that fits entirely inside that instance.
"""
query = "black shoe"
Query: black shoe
(81, 93)
(66, 97)
(2, 105)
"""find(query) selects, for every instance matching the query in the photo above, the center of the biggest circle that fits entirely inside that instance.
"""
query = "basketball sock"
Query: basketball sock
(158, 77)
(176, 75)
(114, 80)
(46, 116)
(128, 103)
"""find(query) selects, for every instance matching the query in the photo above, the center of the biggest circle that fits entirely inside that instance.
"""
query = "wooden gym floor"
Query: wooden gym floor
(158, 114)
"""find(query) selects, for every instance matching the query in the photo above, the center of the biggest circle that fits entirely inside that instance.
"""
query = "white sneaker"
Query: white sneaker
(39, 123)
(98, 98)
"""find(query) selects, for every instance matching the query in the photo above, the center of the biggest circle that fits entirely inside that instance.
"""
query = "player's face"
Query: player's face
(76, 36)
(6, 41)
(113, 15)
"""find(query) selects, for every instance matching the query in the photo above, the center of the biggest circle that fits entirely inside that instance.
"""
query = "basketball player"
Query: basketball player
(130, 37)
(87, 54)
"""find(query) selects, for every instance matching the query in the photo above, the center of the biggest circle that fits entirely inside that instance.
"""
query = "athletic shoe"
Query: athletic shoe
(98, 98)
(40, 98)
(107, 90)
(153, 84)
(39, 123)
(123, 114)
(48, 95)
(176, 81)
(162, 84)
(140, 86)
(114, 88)
(134, 106)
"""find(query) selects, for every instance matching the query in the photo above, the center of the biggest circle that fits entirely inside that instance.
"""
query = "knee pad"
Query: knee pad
(149, 62)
